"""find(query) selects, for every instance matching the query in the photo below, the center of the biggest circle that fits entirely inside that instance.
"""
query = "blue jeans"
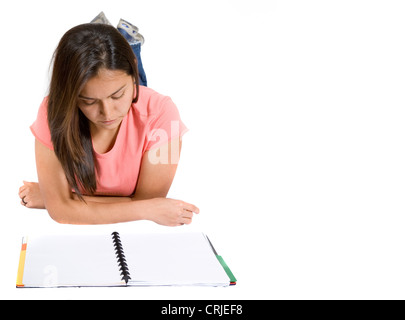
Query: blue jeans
(136, 48)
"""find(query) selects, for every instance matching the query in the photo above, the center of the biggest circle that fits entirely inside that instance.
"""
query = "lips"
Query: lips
(108, 122)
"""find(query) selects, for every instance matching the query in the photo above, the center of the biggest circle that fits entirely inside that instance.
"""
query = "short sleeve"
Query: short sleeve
(40, 128)
(165, 125)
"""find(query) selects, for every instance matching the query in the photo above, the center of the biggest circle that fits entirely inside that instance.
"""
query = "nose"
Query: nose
(106, 109)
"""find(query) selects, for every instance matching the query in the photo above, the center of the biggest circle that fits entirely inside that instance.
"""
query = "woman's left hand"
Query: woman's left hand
(31, 195)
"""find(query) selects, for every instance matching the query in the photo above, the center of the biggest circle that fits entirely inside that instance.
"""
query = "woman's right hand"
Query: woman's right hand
(170, 212)
(30, 195)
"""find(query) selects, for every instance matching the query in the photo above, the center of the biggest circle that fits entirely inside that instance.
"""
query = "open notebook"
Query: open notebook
(121, 260)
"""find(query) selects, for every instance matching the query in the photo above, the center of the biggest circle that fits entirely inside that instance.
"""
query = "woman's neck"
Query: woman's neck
(103, 139)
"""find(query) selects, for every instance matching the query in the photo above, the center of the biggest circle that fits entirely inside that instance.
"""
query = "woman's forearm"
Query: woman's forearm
(104, 199)
(117, 199)
(163, 211)
(95, 212)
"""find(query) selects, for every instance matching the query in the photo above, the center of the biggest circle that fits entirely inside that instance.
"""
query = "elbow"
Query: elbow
(70, 211)
(59, 212)
(57, 216)
(59, 219)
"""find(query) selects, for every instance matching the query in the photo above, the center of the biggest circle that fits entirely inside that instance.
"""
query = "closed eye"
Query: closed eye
(115, 96)
(118, 97)
(88, 102)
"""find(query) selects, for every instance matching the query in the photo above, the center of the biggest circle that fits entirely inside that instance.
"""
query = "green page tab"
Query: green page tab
(228, 271)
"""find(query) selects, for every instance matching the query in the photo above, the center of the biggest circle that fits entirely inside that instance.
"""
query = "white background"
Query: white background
(295, 153)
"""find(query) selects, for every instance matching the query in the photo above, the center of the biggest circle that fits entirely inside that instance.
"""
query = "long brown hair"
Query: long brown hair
(81, 53)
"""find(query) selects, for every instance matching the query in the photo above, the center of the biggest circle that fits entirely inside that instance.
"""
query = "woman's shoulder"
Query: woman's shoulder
(150, 102)
(40, 128)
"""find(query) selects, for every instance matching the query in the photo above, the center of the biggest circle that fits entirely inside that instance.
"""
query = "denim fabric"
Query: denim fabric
(136, 48)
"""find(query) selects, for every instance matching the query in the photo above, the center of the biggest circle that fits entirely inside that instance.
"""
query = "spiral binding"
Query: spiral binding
(122, 262)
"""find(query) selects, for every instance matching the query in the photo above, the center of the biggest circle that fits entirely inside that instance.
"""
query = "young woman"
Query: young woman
(100, 136)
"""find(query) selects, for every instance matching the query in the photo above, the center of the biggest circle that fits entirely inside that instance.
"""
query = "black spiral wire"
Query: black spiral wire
(122, 262)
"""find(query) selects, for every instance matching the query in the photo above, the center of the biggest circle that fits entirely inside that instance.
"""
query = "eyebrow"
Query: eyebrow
(87, 98)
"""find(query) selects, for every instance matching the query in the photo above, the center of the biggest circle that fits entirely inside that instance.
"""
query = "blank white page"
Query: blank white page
(172, 259)
(53, 261)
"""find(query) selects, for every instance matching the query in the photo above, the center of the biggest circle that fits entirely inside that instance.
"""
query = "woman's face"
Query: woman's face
(106, 99)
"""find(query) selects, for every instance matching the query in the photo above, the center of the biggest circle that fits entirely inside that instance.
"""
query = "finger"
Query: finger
(21, 189)
(186, 220)
(190, 207)
(187, 214)
(23, 193)
(186, 217)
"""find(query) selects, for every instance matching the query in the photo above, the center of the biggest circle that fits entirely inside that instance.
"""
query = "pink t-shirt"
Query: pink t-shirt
(151, 122)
